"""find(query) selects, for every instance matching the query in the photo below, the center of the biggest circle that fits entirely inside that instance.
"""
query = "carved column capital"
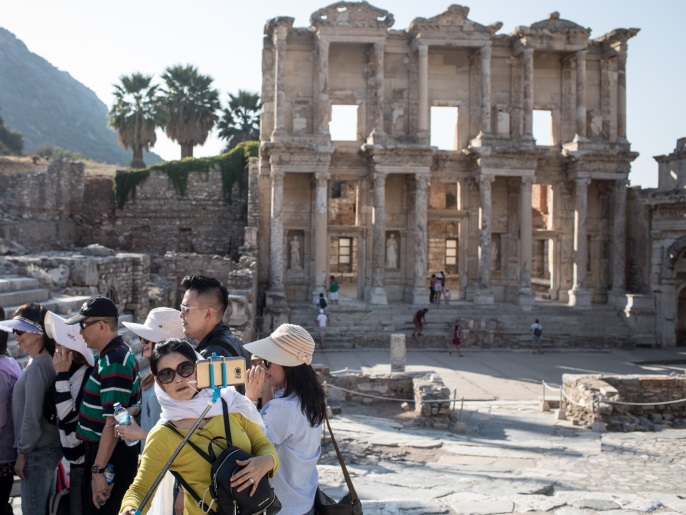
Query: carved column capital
(321, 179)
(277, 177)
(582, 182)
(379, 178)
(422, 181)
(528, 182)
(422, 49)
(485, 181)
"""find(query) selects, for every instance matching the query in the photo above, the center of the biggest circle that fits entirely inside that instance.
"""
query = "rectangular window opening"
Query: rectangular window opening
(451, 255)
(543, 127)
(345, 253)
(444, 127)
(343, 124)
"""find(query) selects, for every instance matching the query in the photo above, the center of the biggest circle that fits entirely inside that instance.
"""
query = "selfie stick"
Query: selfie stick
(215, 397)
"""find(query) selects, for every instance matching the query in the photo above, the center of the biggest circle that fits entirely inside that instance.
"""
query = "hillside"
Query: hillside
(50, 107)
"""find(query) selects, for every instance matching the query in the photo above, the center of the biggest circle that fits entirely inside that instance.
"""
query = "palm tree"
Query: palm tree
(136, 114)
(241, 119)
(191, 106)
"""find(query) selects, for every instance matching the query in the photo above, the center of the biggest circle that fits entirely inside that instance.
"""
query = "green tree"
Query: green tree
(11, 142)
(136, 114)
(240, 120)
(191, 106)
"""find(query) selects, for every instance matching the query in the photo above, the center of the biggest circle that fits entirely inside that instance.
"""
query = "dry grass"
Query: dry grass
(13, 164)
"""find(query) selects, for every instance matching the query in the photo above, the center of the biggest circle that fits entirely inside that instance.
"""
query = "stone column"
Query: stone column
(321, 97)
(280, 34)
(581, 95)
(321, 234)
(485, 295)
(423, 118)
(276, 261)
(421, 293)
(377, 294)
(621, 92)
(579, 294)
(528, 93)
(525, 294)
(378, 130)
(486, 52)
(618, 291)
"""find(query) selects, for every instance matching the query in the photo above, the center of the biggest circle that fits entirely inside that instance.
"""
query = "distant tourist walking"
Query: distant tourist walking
(419, 321)
(321, 320)
(446, 296)
(321, 301)
(457, 340)
(536, 336)
(333, 290)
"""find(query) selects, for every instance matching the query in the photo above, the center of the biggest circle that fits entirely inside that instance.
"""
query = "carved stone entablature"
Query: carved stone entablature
(553, 34)
(399, 159)
(280, 21)
(508, 165)
(600, 166)
(660, 198)
(352, 15)
(300, 158)
(452, 25)
(617, 38)
(445, 161)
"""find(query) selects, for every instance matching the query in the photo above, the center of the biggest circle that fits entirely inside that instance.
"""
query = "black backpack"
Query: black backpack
(538, 332)
(228, 500)
(322, 303)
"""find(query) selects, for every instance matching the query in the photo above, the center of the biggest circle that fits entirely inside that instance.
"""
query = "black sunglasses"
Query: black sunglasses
(17, 332)
(266, 363)
(167, 375)
(83, 324)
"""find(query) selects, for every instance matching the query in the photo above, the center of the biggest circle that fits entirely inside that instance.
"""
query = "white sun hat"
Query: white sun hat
(68, 336)
(289, 345)
(161, 324)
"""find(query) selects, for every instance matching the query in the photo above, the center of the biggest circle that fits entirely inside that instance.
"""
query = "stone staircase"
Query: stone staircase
(354, 324)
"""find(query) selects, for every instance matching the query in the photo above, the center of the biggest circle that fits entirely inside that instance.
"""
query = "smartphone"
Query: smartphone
(223, 371)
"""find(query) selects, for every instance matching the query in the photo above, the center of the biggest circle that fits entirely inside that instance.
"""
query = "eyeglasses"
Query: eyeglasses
(167, 375)
(86, 324)
(145, 341)
(185, 309)
(17, 332)
(266, 363)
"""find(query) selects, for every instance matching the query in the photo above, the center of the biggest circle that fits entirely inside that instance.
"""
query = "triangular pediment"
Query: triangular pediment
(556, 24)
(455, 18)
(353, 15)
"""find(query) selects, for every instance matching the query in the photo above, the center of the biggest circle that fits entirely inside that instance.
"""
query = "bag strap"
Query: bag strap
(195, 447)
(187, 488)
(227, 425)
(348, 481)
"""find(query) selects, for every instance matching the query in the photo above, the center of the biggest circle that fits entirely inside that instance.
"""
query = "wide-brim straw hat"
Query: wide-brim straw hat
(161, 324)
(289, 346)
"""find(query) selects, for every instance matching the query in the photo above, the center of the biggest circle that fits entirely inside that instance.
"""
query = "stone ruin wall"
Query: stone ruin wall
(587, 401)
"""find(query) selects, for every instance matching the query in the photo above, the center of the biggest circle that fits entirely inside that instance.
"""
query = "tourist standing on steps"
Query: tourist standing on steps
(35, 438)
(9, 373)
(432, 291)
(114, 379)
(333, 290)
(321, 302)
(321, 321)
(293, 414)
(457, 340)
(74, 362)
(419, 321)
(537, 336)
(202, 313)
(440, 286)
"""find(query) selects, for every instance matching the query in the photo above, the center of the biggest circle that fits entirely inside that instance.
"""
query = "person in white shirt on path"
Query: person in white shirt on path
(293, 414)
(321, 320)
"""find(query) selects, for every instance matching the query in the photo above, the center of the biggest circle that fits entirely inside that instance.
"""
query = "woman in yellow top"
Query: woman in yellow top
(173, 365)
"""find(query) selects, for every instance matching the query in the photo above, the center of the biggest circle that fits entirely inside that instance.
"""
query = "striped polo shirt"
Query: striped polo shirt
(114, 379)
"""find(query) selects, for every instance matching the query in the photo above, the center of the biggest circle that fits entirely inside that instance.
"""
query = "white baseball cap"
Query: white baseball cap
(161, 324)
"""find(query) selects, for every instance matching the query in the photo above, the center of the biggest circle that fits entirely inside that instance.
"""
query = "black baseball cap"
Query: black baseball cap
(96, 307)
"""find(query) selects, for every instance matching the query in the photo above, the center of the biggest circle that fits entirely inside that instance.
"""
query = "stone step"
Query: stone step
(18, 283)
(17, 298)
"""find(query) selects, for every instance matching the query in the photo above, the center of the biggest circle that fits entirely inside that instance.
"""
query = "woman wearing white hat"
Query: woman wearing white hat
(293, 417)
(161, 324)
(73, 361)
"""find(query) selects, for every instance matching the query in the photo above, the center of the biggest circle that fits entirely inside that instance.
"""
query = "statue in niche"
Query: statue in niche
(295, 254)
(391, 252)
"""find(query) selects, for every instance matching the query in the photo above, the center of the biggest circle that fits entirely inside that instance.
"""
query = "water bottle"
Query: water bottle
(121, 415)
(109, 473)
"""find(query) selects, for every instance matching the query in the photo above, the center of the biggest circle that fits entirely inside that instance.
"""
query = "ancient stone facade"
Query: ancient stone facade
(505, 216)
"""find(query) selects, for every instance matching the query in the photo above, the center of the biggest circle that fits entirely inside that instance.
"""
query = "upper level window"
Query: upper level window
(543, 127)
(343, 124)
(444, 127)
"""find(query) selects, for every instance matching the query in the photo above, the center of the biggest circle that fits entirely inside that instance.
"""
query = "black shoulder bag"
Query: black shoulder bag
(224, 467)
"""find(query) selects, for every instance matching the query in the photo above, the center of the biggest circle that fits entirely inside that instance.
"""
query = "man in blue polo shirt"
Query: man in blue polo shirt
(114, 379)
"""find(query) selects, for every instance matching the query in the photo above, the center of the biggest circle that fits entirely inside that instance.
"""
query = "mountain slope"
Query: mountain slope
(50, 107)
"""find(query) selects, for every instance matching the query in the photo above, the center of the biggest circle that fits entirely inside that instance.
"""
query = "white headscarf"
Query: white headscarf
(177, 410)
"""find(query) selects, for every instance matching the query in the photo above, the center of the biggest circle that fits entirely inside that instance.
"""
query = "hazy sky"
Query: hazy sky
(98, 41)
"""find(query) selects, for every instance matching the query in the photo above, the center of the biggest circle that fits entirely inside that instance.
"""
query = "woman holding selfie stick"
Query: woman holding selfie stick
(294, 409)
(173, 363)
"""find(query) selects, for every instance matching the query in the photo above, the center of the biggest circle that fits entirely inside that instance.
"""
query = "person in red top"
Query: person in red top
(419, 321)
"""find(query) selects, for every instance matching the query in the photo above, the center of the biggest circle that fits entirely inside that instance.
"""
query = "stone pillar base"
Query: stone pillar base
(276, 311)
(483, 296)
(376, 295)
(580, 297)
(526, 297)
(420, 296)
(617, 298)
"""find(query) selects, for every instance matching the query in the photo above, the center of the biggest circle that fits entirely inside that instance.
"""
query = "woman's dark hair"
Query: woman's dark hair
(169, 346)
(36, 313)
(305, 383)
(3, 334)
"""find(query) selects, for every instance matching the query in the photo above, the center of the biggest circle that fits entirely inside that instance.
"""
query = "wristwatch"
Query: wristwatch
(96, 470)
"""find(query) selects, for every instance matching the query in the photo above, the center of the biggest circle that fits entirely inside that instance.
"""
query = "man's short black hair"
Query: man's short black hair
(208, 286)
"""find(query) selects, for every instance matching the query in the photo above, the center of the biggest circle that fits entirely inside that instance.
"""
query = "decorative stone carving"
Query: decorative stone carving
(391, 251)
(455, 17)
(352, 14)
(294, 246)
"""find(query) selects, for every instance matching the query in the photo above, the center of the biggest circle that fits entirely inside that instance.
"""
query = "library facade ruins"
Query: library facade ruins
(521, 196)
